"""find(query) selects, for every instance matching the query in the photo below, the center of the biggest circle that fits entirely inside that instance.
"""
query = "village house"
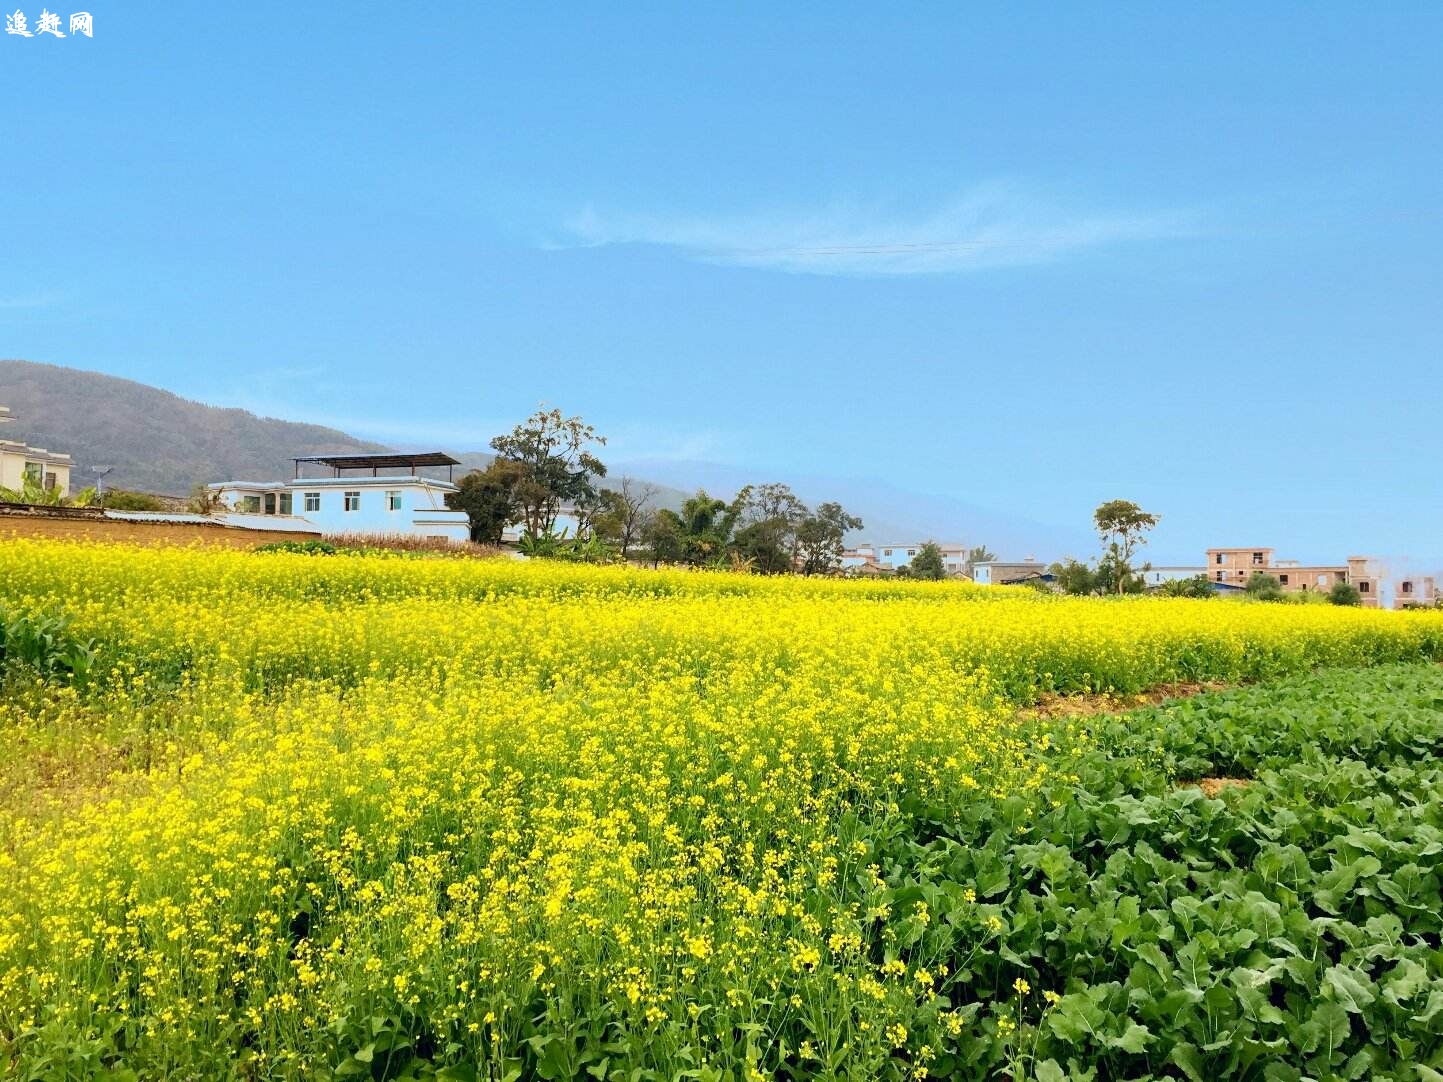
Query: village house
(1415, 591)
(1010, 572)
(868, 558)
(1235, 566)
(378, 494)
(20, 462)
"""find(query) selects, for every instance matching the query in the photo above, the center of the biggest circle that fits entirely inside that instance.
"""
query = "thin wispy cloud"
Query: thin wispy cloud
(29, 300)
(991, 226)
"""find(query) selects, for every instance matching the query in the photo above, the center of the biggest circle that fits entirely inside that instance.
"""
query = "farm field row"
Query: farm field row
(409, 818)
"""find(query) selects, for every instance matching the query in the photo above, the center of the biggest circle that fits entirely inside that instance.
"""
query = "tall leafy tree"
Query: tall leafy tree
(1072, 576)
(1122, 525)
(489, 499)
(767, 518)
(665, 537)
(557, 466)
(625, 513)
(706, 528)
(821, 538)
(928, 563)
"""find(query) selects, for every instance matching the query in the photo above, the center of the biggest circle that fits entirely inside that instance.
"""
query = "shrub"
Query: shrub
(46, 644)
(1196, 586)
(119, 499)
(1264, 587)
(1345, 593)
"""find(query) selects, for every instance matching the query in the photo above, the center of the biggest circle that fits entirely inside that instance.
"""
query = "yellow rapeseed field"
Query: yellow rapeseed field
(377, 817)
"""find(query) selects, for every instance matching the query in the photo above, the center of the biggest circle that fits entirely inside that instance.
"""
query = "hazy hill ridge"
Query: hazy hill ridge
(156, 440)
(160, 442)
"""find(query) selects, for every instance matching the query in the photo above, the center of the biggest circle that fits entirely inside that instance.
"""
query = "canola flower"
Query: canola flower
(535, 818)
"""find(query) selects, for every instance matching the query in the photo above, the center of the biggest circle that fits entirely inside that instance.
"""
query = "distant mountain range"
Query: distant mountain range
(162, 443)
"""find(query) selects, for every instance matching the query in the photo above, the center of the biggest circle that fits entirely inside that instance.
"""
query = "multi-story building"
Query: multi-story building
(1235, 566)
(379, 494)
(20, 462)
(1414, 591)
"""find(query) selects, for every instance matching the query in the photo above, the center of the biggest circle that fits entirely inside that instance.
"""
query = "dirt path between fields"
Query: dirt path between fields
(1090, 705)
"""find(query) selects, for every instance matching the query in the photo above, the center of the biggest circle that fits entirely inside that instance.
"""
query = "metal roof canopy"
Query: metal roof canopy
(384, 460)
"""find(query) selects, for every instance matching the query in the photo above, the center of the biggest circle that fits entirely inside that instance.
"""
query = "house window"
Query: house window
(285, 502)
(1219, 558)
(353, 501)
(1220, 576)
(250, 505)
(1364, 586)
(1407, 587)
(393, 499)
(313, 501)
(32, 472)
(1282, 580)
(51, 481)
(270, 503)
(911, 552)
(886, 552)
(1257, 559)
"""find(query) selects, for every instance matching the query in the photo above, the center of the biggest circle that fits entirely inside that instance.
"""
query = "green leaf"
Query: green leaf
(1433, 1006)
(1327, 1027)
(1186, 1058)
(1404, 981)
(1050, 1071)
(1352, 988)
(1134, 1039)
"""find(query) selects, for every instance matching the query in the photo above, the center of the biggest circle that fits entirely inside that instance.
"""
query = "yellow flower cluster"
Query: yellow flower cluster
(500, 812)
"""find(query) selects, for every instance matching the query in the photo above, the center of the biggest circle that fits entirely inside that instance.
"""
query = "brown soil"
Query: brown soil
(1068, 706)
(138, 533)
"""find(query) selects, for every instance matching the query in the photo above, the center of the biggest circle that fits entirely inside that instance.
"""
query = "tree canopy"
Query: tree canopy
(928, 563)
(1122, 525)
(556, 464)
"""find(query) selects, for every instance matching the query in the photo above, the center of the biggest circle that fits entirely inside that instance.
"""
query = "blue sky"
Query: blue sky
(1013, 261)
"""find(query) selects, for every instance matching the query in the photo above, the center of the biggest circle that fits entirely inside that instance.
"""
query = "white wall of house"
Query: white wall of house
(380, 506)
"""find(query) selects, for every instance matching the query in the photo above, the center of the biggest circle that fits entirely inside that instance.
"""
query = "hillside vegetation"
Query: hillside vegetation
(157, 441)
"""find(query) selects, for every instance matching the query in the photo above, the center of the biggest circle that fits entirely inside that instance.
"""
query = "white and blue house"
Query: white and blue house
(382, 495)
